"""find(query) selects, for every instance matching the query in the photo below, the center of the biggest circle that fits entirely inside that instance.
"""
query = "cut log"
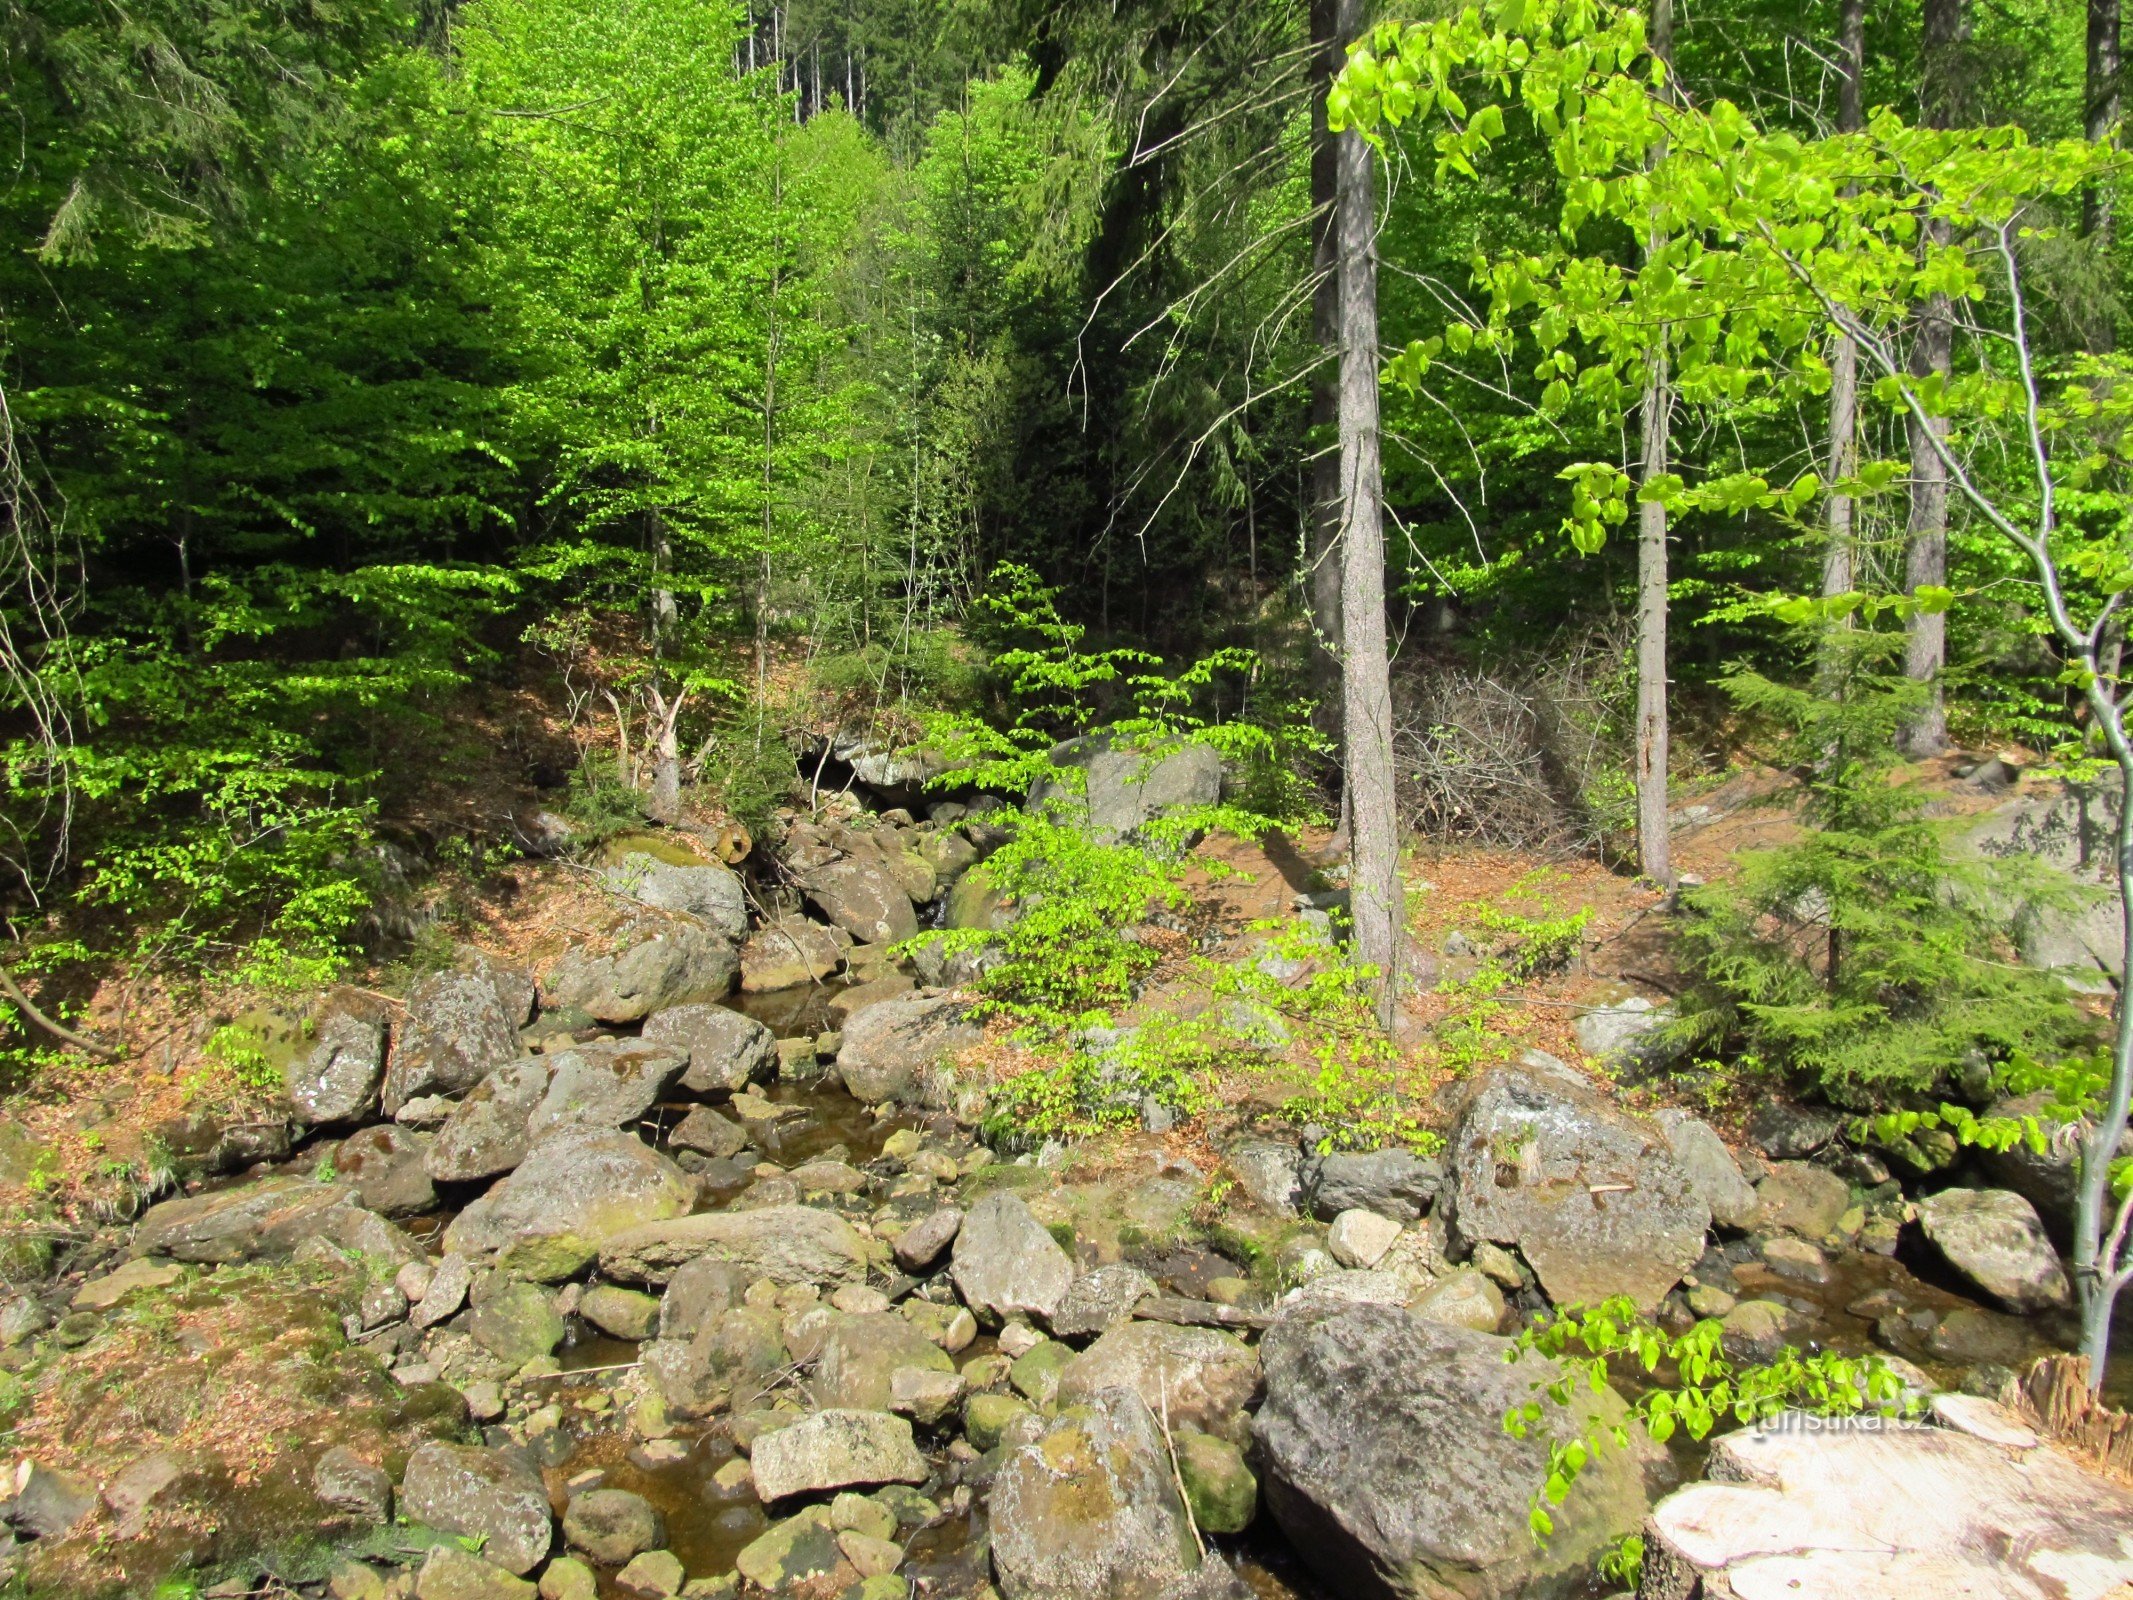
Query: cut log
(1814, 1509)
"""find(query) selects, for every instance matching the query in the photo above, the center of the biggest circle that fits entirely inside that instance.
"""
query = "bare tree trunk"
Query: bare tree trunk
(1654, 840)
(1374, 888)
(2105, 97)
(1839, 574)
(1333, 22)
(1932, 348)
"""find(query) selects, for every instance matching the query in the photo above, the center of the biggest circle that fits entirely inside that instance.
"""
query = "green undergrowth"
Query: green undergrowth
(1685, 1383)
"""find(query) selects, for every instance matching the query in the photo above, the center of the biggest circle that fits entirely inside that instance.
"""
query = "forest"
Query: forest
(1216, 585)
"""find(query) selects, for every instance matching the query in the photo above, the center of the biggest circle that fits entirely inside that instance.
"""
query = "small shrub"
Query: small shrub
(1867, 957)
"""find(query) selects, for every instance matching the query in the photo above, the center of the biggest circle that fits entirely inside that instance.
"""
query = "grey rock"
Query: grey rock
(1786, 1132)
(517, 1323)
(860, 894)
(456, 1032)
(610, 1083)
(788, 1243)
(1996, 1240)
(861, 1355)
(888, 1048)
(646, 966)
(704, 1130)
(1465, 1299)
(1098, 1301)
(1393, 1183)
(620, 1313)
(1590, 1195)
(1712, 1171)
(1090, 1511)
(1795, 1197)
(516, 990)
(1384, 1458)
(580, 1189)
(919, 1247)
(266, 1218)
(450, 1573)
(789, 952)
(1195, 1377)
(385, 1163)
(338, 1079)
(1628, 1036)
(486, 1133)
(1126, 788)
(447, 1292)
(1006, 1264)
(832, 1450)
(611, 1525)
(49, 1502)
(698, 1293)
(2069, 827)
(710, 893)
(491, 1495)
(1269, 1173)
(354, 1487)
(725, 1050)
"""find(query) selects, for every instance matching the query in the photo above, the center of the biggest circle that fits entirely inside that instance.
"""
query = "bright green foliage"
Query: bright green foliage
(2074, 1091)
(1070, 956)
(1867, 955)
(1699, 1390)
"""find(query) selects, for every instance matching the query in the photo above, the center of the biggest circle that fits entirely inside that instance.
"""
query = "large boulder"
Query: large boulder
(338, 1079)
(791, 1244)
(833, 1450)
(456, 1032)
(725, 1050)
(1125, 788)
(1805, 1507)
(1006, 1263)
(610, 1083)
(1713, 1173)
(485, 1134)
(385, 1163)
(1591, 1195)
(1091, 1511)
(1394, 1183)
(2069, 827)
(1801, 1198)
(1628, 1037)
(645, 965)
(888, 1048)
(494, 1496)
(578, 1191)
(1385, 1459)
(712, 894)
(788, 952)
(1190, 1377)
(863, 896)
(1994, 1238)
(266, 1218)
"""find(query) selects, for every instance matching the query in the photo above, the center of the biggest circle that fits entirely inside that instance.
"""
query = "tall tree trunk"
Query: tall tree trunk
(1375, 893)
(1932, 348)
(1654, 853)
(1333, 23)
(1839, 564)
(2105, 98)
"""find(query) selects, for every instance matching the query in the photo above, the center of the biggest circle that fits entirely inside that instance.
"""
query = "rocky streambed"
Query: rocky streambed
(602, 1285)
